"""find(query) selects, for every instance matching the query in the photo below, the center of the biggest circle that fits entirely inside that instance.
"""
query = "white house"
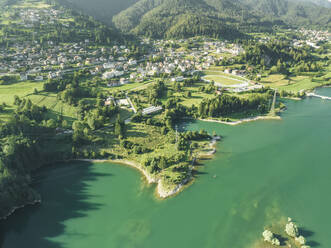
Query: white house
(108, 75)
(178, 79)
(39, 78)
(23, 77)
(109, 65)
(151, 110)
(124, 81)
(132, 62)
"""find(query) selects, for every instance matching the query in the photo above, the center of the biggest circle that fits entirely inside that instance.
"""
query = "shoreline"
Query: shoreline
(161, 190)
(233, 123)
(129, 163)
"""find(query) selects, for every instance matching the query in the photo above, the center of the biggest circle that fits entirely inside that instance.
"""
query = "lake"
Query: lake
(263, 171)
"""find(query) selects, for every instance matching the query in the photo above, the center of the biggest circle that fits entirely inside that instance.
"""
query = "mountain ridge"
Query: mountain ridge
(157, 18)
(216, 18)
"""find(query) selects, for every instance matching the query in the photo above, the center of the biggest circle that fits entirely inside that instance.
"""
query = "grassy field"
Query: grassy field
(291, 84)
(222, 80)
(21, 89)
(56, 106)
(196, 94)
(219, 72)
(216, 74)
(32, 4)
(128, 87)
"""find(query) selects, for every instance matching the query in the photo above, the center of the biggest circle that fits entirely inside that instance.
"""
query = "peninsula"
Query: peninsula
(72, 87)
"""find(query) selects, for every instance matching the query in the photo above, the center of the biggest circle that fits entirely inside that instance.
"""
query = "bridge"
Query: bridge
(319, 96)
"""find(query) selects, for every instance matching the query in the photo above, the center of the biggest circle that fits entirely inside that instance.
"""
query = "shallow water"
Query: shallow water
(263, 171)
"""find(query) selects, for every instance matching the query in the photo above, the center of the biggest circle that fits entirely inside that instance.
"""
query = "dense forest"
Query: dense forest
(22, 149)
(226, 105)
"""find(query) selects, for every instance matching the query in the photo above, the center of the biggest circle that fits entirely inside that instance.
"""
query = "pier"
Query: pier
(319, 96)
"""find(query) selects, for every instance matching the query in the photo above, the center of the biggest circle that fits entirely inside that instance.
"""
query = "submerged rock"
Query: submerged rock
(275, 241)
(301, 240)
(291, 229)
(267, 235)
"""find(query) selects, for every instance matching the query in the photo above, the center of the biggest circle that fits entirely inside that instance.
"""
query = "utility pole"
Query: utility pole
(176, 137)
(272, 109)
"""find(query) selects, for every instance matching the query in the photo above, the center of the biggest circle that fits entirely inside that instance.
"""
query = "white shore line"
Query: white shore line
(161, 190)
(233, 123)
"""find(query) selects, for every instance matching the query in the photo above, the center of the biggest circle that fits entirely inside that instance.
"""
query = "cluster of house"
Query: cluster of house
(312, 38)
(127, 103)
(169, 61)
(36, 61)
(235, 72)
(36, 16)
(31, 60)
(245, 88)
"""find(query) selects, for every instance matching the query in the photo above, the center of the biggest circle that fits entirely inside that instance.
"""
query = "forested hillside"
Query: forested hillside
(323, 3)
(214, 18)
(175, 18)
(217, 18)
(291, 12)
(102, 10)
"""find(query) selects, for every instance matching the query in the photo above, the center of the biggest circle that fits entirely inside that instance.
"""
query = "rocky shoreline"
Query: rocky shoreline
(163, 192)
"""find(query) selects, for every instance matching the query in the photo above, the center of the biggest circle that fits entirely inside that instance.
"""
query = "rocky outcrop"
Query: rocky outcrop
(275, 241)
(291, 229)
(300, 240)
(269, 237)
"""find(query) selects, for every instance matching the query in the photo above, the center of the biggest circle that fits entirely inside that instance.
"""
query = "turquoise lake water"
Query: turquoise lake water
(262, 171)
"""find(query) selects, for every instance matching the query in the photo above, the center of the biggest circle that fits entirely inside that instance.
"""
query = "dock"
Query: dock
(319, 96)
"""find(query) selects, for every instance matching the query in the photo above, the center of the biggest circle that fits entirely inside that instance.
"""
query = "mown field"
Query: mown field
(224, 80)
(219, 70)
(55, 106)
(127, 87)
(216, 74)
(21, 89)
(32, 4)
(293, 84)
(26, 90)
(196, 94)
